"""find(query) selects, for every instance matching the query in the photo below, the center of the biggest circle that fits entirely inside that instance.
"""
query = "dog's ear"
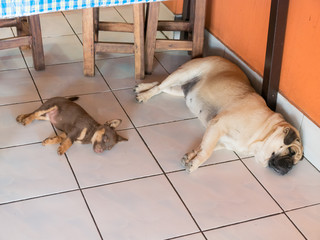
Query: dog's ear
(291, 135)
(114, 123)
(121, 139)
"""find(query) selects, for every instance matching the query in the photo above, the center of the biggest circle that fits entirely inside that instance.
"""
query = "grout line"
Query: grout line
(83, 196)
(184, 235)
(20, 145)
(283, 211)
(154, 158)
(38, 197)
(175, 190)
(163, 123)
(241, 222)
(299, 208)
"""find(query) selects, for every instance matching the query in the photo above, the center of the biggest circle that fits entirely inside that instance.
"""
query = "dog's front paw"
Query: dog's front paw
(192, 166)
(61, 150)
(190, 162)
(50, 140)
(141, 97)
(188, 157)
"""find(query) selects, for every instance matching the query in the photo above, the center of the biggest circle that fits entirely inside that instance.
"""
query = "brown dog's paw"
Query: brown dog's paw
(21, 119)
(24, 119)
(61, 150)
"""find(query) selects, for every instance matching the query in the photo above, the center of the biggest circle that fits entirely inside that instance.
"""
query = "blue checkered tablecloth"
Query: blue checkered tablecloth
(18, 8)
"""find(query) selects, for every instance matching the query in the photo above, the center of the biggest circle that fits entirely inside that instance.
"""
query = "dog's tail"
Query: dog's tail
(75, 98)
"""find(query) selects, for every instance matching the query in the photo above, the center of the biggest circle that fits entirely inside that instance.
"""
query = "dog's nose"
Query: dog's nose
(281, 164)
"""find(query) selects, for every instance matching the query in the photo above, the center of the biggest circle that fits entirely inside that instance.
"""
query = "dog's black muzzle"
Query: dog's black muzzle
(281, 164)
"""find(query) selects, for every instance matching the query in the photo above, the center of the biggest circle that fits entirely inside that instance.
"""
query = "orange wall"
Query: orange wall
(242, 25)
(175, 6)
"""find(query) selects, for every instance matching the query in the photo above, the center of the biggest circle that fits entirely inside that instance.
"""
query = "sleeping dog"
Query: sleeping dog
(235, 116)
(76, 125)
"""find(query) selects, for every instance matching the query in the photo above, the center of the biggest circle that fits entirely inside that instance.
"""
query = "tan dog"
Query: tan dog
(234, 115)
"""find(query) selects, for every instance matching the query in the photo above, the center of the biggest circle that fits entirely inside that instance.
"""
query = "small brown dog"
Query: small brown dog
(76, 125)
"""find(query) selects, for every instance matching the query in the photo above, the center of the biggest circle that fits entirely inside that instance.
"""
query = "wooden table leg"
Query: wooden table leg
(37, 46)
(88, 41)
(138, 16)
(198, 28)
(275, 43)
(151, 34)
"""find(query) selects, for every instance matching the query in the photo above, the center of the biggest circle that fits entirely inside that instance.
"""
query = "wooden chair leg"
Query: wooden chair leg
(88, 42)
(96, 17)
(152, 25)
(185, 18)
(198, 28)
(138, 13)
(37, 47)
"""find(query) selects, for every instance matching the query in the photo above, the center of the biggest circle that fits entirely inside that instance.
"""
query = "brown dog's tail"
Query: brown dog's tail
(73, 98)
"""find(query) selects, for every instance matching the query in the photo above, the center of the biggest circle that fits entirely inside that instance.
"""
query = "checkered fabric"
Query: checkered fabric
(18, 8)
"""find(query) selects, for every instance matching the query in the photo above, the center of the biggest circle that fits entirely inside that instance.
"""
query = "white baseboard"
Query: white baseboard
(310, 132)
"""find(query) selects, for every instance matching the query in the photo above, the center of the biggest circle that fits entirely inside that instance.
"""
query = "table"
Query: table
(19, 8)
(276, 33)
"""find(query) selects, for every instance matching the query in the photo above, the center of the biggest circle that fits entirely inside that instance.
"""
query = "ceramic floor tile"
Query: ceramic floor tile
(307, 220)
(295, 189)
(169, 142)
(262, 229)
(197, 236)
(119, 72)
(126, 160)
(107, 14)
(66, 80)
(33, 170)
(17, 86)
(223, 194)
(63, 216)
(171, 60)
(159, 109)
(61, 49)
(104, 107)
(140, 209)
(16, 134)
(11, 59)
(6, 32)
(54, 24)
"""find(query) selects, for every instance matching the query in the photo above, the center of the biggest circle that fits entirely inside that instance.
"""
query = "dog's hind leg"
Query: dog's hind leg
(184, 74)
(25, 119)
(144, 87)
(198, 156)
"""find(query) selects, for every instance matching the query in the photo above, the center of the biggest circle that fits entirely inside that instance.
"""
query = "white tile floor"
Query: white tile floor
(138, 190)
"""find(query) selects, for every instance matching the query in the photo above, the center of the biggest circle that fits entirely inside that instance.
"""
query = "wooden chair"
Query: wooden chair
(192, 23)
(91, 45)
(29, 34)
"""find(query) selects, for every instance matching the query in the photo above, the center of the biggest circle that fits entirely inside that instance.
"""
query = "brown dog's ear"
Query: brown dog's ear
(290, 137)
(121, 139)
(114, 123)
